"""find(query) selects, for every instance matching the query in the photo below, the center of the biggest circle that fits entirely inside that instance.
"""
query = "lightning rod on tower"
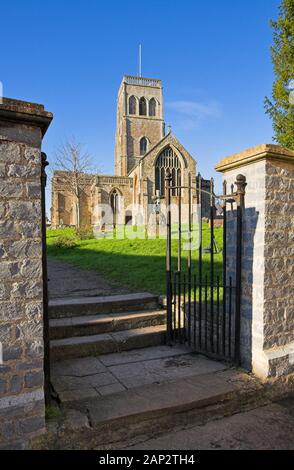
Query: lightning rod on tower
(140, 60)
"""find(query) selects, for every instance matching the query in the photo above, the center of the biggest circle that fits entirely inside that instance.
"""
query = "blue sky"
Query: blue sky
(213, 58)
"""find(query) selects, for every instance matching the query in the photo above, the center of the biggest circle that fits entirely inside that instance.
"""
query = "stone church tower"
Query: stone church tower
(140, 122)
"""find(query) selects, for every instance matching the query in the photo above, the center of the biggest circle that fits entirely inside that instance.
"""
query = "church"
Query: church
(143, 153)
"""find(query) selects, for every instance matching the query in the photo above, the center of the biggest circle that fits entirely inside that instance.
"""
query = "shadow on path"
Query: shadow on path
(65, 280)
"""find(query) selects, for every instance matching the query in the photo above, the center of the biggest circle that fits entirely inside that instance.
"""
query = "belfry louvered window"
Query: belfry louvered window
(132, 105)
(152, 107)
(167, 159)
(142, 107)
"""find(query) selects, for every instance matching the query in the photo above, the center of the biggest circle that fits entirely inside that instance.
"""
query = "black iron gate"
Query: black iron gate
(203, 294)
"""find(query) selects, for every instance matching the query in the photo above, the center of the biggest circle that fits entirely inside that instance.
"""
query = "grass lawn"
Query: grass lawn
(135, 263)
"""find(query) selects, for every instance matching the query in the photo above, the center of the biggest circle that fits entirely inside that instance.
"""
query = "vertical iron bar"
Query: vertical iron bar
(168, 259)
(230, 318)
(224, 269)
(189, 320)
(205, 303)
(189, 258)
(179, 306)
(232, 191)
(211, 261)
(189, 223)
(179, 227)
(174, 290)
(224, 321)
(200, 259)
(200, 316)
(194, 311)
(238, 285)
(217, 315)
(47, 375)
(241, 184)
(184, 310)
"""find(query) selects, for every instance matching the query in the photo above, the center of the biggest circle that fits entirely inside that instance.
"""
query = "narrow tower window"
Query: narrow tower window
(142, 107)
(132, 105)
(152, 107)
(143, 146)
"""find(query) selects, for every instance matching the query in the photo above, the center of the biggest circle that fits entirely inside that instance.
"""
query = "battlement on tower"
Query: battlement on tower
(142, 81)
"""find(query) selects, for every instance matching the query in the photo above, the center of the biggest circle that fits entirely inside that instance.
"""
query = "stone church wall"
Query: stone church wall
(63, 201)
(102, 188)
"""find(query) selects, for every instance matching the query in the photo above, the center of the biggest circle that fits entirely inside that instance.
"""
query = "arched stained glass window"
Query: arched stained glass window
(142, 107)
(152, 107)
(132, 105)
(167, 159)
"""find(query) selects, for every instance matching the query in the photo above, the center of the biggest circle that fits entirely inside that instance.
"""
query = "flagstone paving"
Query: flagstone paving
(91, 377)
(92, 419)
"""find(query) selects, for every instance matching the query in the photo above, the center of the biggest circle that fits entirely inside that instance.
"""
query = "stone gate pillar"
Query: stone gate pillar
(22, 410)
(267, 304)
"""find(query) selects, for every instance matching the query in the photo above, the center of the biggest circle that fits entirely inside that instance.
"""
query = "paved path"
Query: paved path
(65, 280)
(91, 377)
(264, 428)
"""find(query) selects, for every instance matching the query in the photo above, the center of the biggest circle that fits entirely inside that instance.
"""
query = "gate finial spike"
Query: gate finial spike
(211, 191)
(241, 183)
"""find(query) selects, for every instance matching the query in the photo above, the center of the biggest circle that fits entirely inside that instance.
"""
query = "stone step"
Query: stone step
(98, 324)
(62, 308)
(95, 345)
(135, 415)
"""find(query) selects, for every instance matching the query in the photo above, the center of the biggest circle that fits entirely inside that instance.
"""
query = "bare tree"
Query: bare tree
(72, 162)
